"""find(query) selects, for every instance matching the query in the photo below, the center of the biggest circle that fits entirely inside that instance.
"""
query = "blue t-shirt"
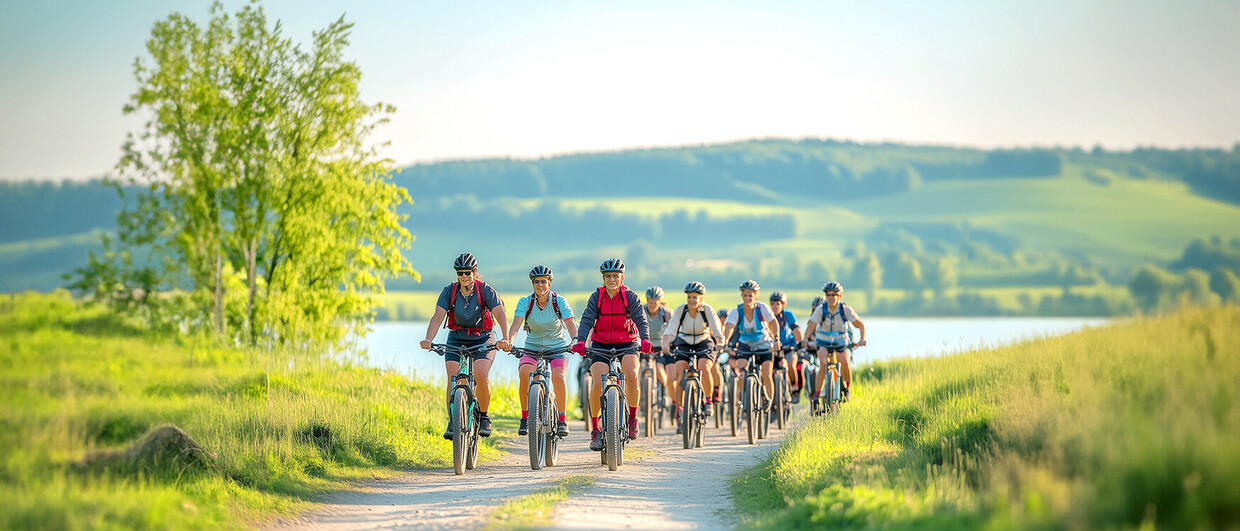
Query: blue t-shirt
(546, 330)
(787, 323)
(468, 311)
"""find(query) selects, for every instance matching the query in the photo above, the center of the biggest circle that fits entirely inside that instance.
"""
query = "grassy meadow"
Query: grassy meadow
(281, 427)
(1132, 425)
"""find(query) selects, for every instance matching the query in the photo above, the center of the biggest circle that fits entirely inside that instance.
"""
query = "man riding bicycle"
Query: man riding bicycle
(827, 328)
(613, 319)
(469, 306)
(546, 316)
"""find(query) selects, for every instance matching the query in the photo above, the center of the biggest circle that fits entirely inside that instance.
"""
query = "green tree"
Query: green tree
(1197, 287)
(940, 274)
(1151, 286)
(257, 175)
(868, 272)
(1225, 283)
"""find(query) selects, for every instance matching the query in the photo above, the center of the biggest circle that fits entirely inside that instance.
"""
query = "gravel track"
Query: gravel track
(660, 486)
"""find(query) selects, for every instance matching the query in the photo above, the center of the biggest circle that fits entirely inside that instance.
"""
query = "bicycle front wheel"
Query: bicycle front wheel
(535, 422)
(647, 400)
(733, 421)
(460, 430)
(687, 413)
(751, 409)
(781, 400)
(612, 430)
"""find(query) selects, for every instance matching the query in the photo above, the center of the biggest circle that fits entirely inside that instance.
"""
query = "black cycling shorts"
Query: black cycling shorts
(836, 349)
(758, 356)
(599, 358)
(469, 343)
(665, 359)
(700, 350)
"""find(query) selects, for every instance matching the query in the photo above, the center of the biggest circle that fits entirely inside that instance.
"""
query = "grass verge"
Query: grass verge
(533, 511)
(282, 427)
(1127, 426)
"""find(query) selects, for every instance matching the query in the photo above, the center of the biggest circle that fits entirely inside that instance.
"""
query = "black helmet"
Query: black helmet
(654, 293)
(541, 271)
(779, 296)
(833, 286)
(695, 287)
(465, 261)
(611, 264)
(722, 313)
(750, 284)
(817, 302)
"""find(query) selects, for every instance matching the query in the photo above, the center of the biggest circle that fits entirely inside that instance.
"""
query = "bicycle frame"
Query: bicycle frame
(613, 441)
(692, 430)
(465, 437)
(542, 433)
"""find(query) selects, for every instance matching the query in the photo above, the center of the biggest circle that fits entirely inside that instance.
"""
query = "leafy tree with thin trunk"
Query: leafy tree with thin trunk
(256, 175)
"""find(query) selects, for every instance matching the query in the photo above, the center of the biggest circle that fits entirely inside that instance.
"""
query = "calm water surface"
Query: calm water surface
(394, 345)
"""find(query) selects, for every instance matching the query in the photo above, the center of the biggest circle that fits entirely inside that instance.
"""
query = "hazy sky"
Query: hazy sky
(526, 79)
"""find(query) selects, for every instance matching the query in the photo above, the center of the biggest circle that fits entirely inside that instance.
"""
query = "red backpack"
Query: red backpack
(487, 321)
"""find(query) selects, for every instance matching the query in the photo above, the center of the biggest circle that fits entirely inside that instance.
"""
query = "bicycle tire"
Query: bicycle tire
(781, 403)
(460, 433)
(537, 437)
(553, 440)
(611, 430)
(831, 392)
(647, 400)
(471, 460)
(583, 392)
(751, 413)
(732, 403)
(687, 413)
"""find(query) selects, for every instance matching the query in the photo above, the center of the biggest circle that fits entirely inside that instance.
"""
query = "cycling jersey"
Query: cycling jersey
(614, 320)
(787, 323)
(546, 330)
(657, 322)
(753, 332)
(832, 325)
(694, 330)
(467, 315)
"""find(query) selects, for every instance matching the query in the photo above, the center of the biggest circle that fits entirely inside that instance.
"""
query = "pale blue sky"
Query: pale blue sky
(527, 79)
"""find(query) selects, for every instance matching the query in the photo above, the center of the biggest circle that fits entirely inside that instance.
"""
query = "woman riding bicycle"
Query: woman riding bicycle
(789, 338)
(545, 316)
(695, 328)
(469, 305)
(828, 328)
(613, 319)
(755, 323)
(657, 315)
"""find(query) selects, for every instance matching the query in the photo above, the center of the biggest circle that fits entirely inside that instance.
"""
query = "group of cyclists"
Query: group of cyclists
(615, 318)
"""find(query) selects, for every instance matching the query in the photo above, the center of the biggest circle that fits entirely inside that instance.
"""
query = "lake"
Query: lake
(394, 345)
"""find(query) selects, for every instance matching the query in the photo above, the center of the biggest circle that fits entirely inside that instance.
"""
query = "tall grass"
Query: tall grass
(1127, 426)
(284, 426)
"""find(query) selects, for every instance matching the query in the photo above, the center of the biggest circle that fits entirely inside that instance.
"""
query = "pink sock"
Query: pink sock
(525, 414)
(561, 417)
(594, 422)
(632, 412)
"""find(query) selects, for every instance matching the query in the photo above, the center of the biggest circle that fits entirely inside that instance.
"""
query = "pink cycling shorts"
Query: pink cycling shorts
(556, 363)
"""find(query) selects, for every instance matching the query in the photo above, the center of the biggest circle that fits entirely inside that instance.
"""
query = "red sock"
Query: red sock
(561, 417)
(632, 412)
(594, 423)
(525, 414)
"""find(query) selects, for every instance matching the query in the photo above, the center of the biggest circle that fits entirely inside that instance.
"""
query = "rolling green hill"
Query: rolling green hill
(790, 213)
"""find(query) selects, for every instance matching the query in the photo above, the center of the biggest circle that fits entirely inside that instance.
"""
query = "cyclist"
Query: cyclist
(758, 332)
(545, 315)
(789, 338)
(829, 327)
(613, 319)
(657, 315)
(695, 327)
(471, 307)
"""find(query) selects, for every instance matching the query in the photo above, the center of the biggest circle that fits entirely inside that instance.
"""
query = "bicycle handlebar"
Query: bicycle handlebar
(442, 349)
(539, 353)
(612, 352)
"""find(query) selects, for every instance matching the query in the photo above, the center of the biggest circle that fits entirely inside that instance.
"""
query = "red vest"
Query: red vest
(487, 322)
(613, 324)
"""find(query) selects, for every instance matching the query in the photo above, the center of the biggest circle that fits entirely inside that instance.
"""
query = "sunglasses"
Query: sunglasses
(464, 273)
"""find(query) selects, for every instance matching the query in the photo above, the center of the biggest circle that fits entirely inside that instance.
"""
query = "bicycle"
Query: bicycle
(831, 390)
(543, 413)
(463, 414)
(652, 396)
(615, 422)
(730, 394)
(809, 380)
(584, 385)
(782, 401)
(692, 413)
(755, 403)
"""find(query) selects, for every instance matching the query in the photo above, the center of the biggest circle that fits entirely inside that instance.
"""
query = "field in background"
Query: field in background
(1124, 426)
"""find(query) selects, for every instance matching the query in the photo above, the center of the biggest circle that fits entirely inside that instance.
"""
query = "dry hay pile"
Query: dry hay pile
(165, 447)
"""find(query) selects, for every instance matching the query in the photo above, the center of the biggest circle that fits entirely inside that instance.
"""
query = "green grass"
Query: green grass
(285, 427)
(1129, 426)
(533, 511)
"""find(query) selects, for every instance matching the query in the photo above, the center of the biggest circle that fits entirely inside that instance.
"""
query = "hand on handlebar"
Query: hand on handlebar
(425, 344)
(860, 344)
(647, 347)
(504, 345)
(580, 348)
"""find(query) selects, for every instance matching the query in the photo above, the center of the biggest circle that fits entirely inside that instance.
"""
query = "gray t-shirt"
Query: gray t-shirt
(468, 312)
(657, 322)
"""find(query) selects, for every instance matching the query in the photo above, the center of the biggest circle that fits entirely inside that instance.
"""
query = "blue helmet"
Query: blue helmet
(611, 264)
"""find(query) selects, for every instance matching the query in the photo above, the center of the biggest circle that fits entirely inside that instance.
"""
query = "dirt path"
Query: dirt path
(660, 486)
